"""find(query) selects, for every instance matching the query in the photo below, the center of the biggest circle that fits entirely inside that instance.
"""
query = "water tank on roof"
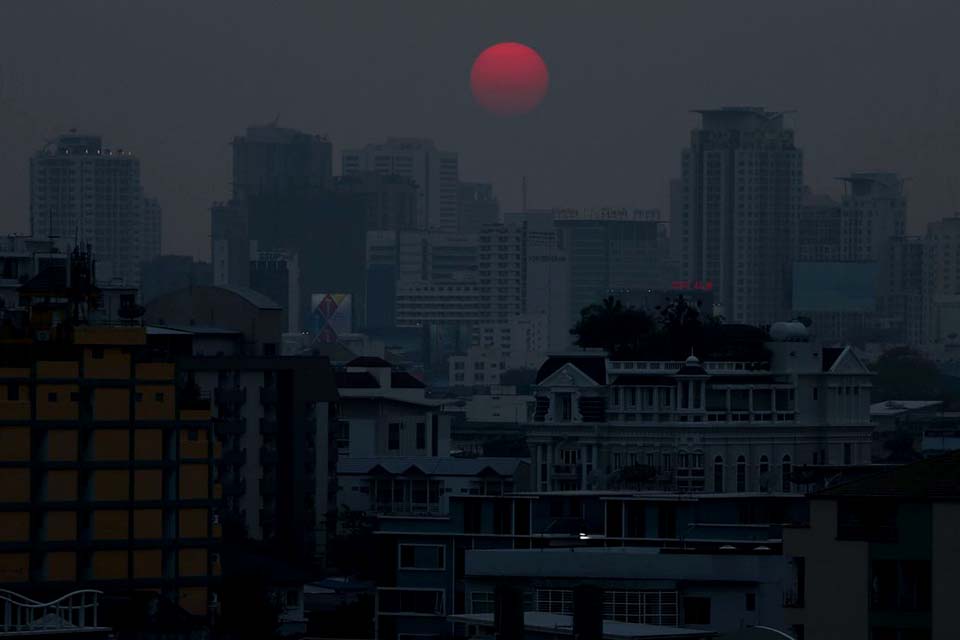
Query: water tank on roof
(789, 332)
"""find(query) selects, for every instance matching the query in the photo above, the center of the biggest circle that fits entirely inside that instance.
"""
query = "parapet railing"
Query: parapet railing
(74, 611)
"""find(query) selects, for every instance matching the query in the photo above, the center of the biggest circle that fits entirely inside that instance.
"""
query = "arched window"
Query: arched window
(718, 474)
(785, 469)
(764, 464)
(741, 474)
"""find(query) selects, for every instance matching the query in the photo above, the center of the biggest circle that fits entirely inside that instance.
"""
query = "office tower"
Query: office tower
(389, 202)
(610, 249)
(82, 193)
(435, 172)
(108, 462)
(502, 270)
(164, 274)
(230, 243)
(327, 229)
(819, 229)
(905, 286)
(548, 285)
(742, 181)
(941, 267)
(272, 159)
(478, 206)
(276, 274)
(873, 210)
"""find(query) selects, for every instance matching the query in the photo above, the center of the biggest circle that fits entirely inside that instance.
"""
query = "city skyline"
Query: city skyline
(417, 85)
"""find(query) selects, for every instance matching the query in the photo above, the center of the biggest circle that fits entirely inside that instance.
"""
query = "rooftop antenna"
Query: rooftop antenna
(523, 190)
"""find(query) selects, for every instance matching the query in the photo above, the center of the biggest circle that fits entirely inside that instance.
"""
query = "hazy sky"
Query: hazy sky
(875, 85)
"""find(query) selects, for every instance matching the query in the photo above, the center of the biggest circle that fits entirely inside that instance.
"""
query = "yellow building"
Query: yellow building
(107, 470)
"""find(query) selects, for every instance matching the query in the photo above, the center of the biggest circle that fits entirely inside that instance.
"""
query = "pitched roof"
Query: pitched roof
(933, 479)
(829, 356)
(355, 380)
(369, 361)
(53, 278)
(255, 298)
(594, 367)
(403, 380)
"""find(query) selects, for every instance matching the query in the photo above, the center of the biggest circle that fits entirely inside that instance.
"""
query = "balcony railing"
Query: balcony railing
(407, 508)
(74, 612)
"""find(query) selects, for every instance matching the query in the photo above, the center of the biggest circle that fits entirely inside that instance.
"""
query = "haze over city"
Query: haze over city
(873, 85)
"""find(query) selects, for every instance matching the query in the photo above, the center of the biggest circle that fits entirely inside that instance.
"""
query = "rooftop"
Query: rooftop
(556, 623)
(932, 480)
(441, 466)
(896, 407)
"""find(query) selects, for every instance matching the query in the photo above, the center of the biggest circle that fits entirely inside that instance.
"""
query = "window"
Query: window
(393, 437)
(421, 435)
(847, 453)
(52, 396)
(785, 470)
(425, 557)
(13, 391)
(158, 396)
(900, 585)
(750, 603)
(696, 610)
(718, 474)
(565, 402)
(555, 601)
(741, 474)
(764, 465)
(641, 607)
(482, 602)
(97, 353)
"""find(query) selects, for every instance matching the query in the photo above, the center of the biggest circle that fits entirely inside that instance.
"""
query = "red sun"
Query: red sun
(509, 79)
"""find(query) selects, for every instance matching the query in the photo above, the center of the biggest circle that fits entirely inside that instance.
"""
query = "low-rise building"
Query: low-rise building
(718, 426)
(879, 557)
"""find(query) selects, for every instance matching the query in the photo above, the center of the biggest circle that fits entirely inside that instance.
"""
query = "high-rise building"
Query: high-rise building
(435, 172)
(164, 274)
(276, 274)
(819, 230)
(389, 201)
(502, 270)
(271, 159)
(941, 268)
(742, 184)
(230, 243)
(478, 206)
(873, 211)
(108, 463)
(610, 249)
(82, 193)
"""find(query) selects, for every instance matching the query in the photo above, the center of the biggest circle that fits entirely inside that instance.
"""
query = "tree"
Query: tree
(616, 328)
(905, 374)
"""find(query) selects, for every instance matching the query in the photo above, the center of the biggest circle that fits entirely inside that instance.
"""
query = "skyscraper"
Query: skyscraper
(478, 206)
(436, 173)
(742, 184)
(272, 159)
(83, 193)
(610, 249)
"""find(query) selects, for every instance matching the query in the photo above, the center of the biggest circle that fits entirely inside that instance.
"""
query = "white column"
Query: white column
(584, 453)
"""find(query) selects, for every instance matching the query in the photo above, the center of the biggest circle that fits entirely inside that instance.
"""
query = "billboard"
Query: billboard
(835, 286)
(332, 315)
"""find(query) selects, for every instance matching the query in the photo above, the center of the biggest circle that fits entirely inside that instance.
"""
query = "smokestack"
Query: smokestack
(508, 612)
(587, 613)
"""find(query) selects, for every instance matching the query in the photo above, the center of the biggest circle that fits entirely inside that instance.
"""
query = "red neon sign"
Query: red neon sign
(696, 285)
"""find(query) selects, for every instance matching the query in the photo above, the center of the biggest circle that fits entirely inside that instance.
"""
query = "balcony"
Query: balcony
(230, 396)
(408, 508)
(570, 471)
(268, 395)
